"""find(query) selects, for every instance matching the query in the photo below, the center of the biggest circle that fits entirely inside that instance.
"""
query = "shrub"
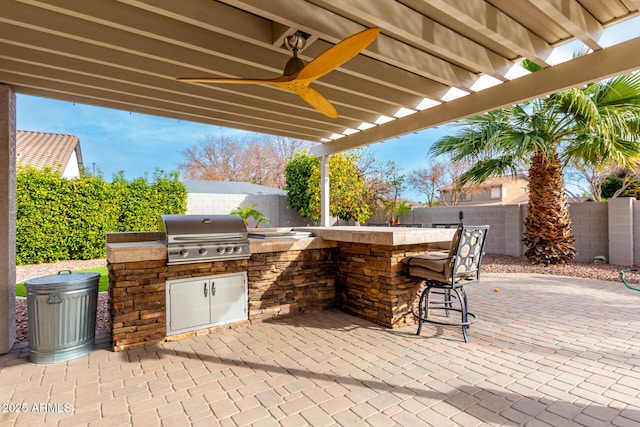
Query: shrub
(58, 218)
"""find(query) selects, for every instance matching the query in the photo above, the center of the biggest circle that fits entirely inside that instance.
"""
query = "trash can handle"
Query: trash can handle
(63, 271)
(54, 298)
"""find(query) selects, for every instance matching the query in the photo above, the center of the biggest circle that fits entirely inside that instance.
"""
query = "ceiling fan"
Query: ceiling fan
(297, 76)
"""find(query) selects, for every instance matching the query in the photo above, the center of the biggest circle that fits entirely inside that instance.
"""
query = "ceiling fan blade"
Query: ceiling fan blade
(319, 102)
(337, 55)
(275, 81)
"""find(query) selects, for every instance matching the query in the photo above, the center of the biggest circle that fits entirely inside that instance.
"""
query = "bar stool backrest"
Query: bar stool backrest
(467, 249)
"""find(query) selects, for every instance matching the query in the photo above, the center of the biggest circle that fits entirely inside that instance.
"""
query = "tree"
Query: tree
(453, 193)
(348, 192)
(596, 124)
(299, 177)
(395, 206)
(606, 181)
(428, 181)
(621, 182)
(260, 161)
(382, 181)
(451, 190)
(280, 150)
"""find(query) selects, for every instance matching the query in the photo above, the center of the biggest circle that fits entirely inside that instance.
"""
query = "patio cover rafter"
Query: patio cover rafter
(127, 54)
(599, 65)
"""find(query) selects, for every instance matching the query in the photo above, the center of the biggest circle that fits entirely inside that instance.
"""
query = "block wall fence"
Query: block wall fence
(600, 228)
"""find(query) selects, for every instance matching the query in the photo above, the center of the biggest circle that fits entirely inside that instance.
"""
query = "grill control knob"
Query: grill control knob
(184, 252)
(202, 251)
(220, 250)
(237, 249)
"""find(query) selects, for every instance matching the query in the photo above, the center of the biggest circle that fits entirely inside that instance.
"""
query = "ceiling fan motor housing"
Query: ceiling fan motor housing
(293, 66)
(296, 41)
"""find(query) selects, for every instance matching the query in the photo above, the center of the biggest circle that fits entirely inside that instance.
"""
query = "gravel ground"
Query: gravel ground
(491, 264)
(511, 264)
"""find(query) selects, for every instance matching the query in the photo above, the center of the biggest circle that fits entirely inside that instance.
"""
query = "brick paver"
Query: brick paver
(545, 351)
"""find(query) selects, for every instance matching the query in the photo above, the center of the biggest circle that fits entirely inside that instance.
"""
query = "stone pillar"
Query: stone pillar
(325, 220)
(621, 230)
(7, 218)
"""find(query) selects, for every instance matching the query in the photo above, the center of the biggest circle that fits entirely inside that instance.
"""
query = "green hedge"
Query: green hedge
(61, 219)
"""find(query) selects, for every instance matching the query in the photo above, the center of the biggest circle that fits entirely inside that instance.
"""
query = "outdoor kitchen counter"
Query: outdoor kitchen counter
(148, 250)
(371, 279)
(386, 236)
(285, 276)
(145, 246)
(358, 269)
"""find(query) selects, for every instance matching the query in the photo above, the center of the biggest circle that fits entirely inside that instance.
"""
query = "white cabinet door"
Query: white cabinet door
(198, 303)
(228, 299)
(188, 304)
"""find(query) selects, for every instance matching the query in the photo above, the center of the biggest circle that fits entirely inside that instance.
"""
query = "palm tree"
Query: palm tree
(250, 211)
(597, 125)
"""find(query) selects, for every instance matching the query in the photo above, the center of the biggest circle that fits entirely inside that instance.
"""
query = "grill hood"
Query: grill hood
(194, 228)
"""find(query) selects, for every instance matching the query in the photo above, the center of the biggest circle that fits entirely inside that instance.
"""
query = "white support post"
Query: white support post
(325, 220)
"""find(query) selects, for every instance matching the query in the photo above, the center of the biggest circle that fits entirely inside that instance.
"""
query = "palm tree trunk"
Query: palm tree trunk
(548, 234)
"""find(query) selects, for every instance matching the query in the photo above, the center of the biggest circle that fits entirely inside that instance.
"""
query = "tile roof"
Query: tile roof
(42, 149)
(493, 181)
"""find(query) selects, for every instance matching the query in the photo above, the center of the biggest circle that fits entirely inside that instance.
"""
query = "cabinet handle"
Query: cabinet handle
(213, 289)
(205, 290)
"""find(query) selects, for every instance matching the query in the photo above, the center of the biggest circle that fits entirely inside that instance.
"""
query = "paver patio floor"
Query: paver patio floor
(545, 351)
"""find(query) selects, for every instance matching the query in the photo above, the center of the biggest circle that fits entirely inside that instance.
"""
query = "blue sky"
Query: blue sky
(115, 140)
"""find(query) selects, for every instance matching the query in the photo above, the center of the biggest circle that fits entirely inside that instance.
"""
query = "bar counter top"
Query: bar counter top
(386, 236)
(139, 246)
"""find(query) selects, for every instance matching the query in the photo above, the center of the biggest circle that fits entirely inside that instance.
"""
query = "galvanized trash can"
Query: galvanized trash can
(61, 311)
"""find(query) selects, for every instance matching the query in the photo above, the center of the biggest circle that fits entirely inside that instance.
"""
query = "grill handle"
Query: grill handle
(208, 238)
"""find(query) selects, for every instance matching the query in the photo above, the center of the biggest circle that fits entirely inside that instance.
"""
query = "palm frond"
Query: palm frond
(620, 92)
(577, 106)
(595, 150)
(487, 135)
(485, 169)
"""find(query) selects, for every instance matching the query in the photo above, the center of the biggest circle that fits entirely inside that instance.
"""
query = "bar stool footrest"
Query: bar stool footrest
(452, 322)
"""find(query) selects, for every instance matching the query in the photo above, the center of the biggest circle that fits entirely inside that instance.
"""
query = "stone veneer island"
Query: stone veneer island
(358, 269)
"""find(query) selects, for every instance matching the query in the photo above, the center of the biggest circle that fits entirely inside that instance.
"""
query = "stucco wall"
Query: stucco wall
(275, 207)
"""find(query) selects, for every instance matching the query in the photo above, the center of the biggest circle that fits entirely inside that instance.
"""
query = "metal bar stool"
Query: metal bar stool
(450, 274)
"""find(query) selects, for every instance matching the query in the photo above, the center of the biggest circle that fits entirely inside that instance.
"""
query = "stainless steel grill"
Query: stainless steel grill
(198, 238)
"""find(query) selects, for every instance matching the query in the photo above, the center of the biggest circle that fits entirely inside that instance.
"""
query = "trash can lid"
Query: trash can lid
(61, 279)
